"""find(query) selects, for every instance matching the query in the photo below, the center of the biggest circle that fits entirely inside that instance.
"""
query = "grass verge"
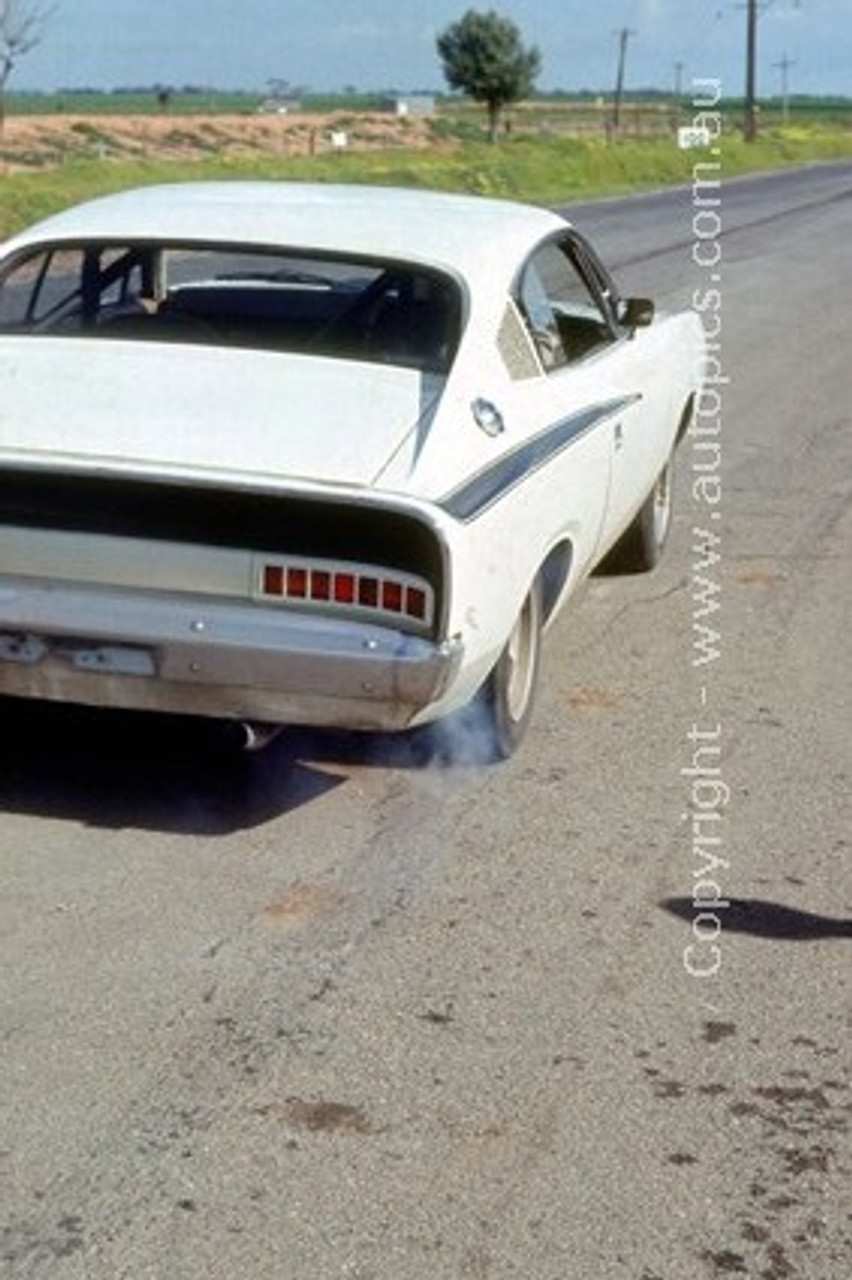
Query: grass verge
(543, 170)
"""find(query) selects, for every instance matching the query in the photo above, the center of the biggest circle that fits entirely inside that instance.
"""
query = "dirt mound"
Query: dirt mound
(41, 141)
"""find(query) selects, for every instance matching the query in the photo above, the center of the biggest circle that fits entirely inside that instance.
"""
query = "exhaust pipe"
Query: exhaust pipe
(254, 735)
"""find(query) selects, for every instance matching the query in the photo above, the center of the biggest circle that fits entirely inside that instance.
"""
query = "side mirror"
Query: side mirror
(636, 313)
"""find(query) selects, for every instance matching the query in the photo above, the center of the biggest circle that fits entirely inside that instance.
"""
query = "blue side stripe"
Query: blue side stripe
(475, 496)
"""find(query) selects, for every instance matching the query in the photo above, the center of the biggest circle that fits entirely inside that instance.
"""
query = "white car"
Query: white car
(311, 454)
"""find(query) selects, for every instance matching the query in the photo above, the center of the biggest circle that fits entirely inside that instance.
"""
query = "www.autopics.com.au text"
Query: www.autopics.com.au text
(709, 793)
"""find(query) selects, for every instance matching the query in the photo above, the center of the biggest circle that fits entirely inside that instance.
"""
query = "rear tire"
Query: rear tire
(491, 726)
(508, 696)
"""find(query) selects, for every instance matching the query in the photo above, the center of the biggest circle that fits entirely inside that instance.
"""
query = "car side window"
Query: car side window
(561, 308)
(58, 290)
(40, 288)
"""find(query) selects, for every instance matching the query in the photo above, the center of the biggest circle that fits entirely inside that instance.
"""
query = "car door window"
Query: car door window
(561, 307)
(41, 288)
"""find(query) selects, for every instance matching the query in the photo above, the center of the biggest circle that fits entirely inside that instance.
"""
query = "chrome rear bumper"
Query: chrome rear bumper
(110, 647)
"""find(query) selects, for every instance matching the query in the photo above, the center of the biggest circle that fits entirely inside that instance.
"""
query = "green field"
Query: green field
(539, 161)
(815, 110)
(196, 102)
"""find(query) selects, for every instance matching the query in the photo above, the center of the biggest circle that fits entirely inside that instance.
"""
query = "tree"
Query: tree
(483, 56)
(21, 26)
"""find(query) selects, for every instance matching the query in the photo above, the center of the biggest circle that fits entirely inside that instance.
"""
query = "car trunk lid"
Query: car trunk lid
(191, 409)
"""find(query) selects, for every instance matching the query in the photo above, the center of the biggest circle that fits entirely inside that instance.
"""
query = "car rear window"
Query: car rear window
(392, 312)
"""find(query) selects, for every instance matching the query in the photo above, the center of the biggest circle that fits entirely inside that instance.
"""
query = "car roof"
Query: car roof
(461, 233)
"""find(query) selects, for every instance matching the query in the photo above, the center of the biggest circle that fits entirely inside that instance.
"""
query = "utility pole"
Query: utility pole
(678, 84)
(678, 94)
(623, 36)
(750, 124)
(784, 66)
(754, 10)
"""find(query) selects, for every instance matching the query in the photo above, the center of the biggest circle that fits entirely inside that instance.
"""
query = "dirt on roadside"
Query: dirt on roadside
(39, 141)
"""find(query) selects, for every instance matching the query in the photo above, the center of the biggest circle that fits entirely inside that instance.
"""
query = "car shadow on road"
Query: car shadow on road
(117, 769)
(120, 769)
(765, 919)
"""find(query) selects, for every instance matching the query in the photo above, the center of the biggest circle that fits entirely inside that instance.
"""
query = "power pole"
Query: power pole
(678, 94)
(750, 123)
(678, 85)
(754, 10)
(784, 66)
(623, 36)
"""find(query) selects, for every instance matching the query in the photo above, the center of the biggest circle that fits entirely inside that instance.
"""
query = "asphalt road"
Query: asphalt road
(348, 1012)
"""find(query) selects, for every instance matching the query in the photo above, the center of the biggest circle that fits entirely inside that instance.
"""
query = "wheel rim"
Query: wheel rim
(520, 658)
(662, 506)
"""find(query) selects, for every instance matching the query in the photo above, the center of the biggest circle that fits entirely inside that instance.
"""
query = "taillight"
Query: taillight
(385, 594)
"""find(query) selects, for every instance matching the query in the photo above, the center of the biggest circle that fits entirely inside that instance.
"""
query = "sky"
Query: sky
(390, 44)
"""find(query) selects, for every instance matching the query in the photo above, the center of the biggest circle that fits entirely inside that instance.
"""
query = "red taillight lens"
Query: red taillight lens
(392, 596)
(273, 580)
(297, 584)
(368, 592)
(415, 603)
(400, 596)
(344, 588)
